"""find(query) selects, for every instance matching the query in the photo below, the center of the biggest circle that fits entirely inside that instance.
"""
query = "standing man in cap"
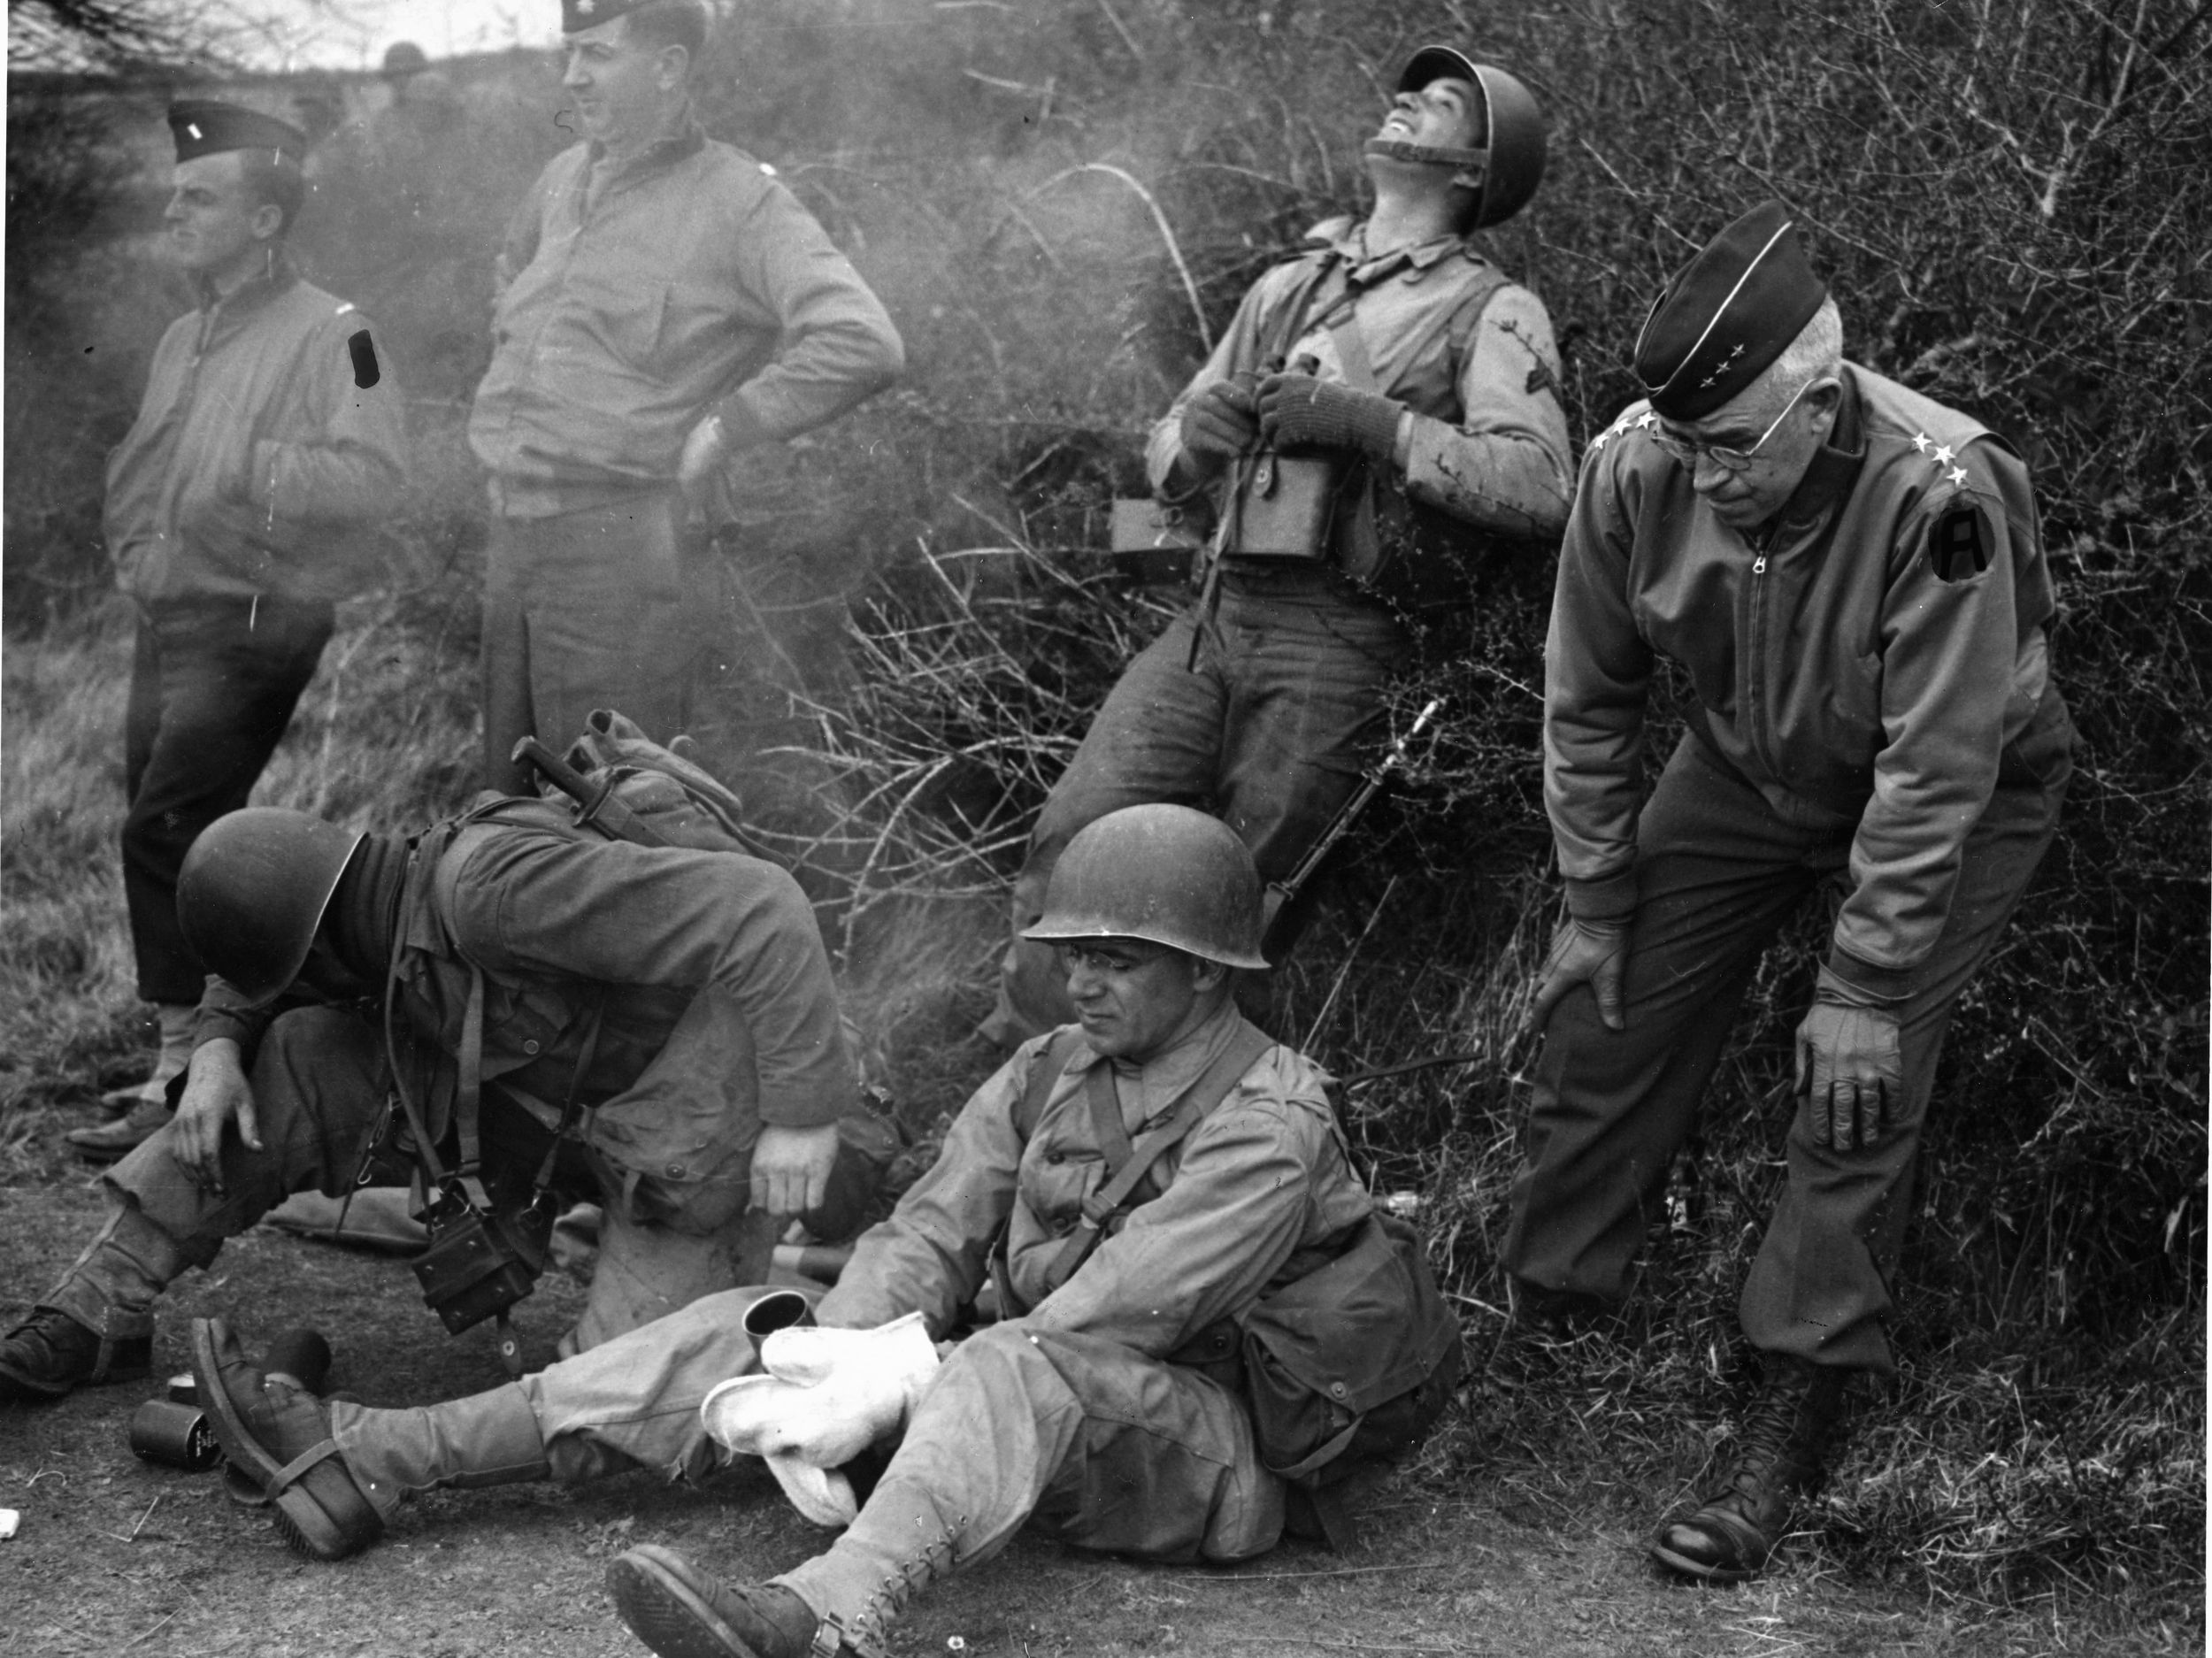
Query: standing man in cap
(1396, 362)
(242, 501)
(1854, 579)
(667, 305)
(1104, 1406)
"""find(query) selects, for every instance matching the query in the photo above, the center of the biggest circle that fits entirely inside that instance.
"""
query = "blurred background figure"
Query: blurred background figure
(666, 305)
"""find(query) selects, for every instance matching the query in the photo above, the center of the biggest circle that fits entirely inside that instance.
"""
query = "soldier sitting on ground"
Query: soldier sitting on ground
(655, 1026)
(1125, 1270)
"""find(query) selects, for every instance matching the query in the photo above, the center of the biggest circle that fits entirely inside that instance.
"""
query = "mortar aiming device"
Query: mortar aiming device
(1282, 893)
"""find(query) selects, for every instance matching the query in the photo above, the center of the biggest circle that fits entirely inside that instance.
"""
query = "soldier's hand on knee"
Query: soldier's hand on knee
(791, 1169)
(216, 1093)
(1592, 953)
(1850, 1065)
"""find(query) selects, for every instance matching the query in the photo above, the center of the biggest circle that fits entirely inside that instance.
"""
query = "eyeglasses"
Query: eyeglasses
(1689, 451)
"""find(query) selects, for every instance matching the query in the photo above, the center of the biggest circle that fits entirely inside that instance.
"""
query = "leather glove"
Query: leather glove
(1219, 423)
(1850, 1067)
(1592, 953)
(1298, 411)
(826, 1395)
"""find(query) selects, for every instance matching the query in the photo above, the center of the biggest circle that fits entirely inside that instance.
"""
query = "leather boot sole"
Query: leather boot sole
(1702, 1571)
(650, 1591)
(320, 1513)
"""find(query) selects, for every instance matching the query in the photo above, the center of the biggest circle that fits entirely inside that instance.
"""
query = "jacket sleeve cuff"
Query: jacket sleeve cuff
(1612, 898)
(216, 1018)
(814, 1109)
(1888, 984)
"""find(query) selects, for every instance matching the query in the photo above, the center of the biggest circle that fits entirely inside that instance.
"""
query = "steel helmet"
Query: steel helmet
(1165, 874)
(403, 58)
(253, 890)
(1504, 169)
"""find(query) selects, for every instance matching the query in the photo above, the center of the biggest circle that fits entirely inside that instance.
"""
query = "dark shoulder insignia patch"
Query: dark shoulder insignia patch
(1958, 548)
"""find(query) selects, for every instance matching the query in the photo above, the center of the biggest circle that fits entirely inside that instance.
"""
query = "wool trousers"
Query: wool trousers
(1718, 871)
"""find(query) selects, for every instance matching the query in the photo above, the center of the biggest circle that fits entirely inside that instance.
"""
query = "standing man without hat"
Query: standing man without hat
(667, 306)
(1397, 355)
(243, 501)
(1853, 578)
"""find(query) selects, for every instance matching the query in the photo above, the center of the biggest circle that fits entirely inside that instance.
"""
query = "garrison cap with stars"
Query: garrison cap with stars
(577, 15)
(204, 127)
(1727, 315)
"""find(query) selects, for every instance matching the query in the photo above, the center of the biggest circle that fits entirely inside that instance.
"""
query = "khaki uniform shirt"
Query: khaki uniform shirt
(639, 298)
(1262, 1178)
(1488, 445)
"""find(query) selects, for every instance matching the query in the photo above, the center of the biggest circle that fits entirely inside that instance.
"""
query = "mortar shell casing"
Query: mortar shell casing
(175, 1436)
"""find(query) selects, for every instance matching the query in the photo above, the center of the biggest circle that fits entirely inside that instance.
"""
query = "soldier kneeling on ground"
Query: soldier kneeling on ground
(1167, 1207)
(506, 1009)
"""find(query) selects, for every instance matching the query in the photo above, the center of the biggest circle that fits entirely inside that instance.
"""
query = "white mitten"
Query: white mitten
(756, 1415)
(828, 1395)
(860, 1385)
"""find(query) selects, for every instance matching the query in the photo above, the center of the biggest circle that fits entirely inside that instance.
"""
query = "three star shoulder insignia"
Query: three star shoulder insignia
(1626, 423)
(1943, 456)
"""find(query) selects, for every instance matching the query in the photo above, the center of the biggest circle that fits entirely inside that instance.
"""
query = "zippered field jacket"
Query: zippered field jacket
(684, 282)
(257, 463)
(1864, 663)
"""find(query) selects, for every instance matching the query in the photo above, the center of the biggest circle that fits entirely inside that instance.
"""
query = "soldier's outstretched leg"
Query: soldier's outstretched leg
(1095, 1443)
(334, 1470)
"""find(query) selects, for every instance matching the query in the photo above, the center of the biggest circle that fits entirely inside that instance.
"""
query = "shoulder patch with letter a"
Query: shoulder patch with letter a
(1958, 545)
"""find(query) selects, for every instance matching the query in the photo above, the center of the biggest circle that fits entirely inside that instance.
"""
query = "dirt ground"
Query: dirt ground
(118, 1555)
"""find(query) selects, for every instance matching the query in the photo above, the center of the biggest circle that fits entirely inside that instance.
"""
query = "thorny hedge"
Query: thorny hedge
(1062, 202)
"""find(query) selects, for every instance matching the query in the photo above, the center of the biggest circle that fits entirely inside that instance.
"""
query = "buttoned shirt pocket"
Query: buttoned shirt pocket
(1057, 1173)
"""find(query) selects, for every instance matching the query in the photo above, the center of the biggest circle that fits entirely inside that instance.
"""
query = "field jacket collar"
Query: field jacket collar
(687, 139)
(1160, 1082)
(1346, 238)
(224, 313)
(1833, 473)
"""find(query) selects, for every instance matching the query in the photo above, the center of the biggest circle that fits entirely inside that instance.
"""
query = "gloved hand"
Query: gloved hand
(1219, 425)
(1593, 953)
(1850, 1064)
(1298, 411)
(826, 1395)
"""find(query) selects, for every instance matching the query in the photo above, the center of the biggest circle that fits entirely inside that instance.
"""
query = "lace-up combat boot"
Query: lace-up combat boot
(1736, 1530)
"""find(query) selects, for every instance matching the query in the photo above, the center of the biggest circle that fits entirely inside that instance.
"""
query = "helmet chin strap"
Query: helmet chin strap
(1471, 166)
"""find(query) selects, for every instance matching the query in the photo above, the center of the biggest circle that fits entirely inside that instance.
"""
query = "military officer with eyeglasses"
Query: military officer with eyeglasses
(1854, 579)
